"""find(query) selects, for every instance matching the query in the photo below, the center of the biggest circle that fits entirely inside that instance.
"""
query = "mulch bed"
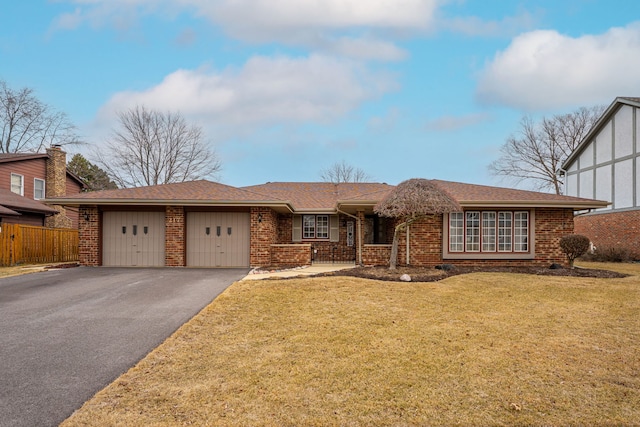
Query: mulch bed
(423, 274)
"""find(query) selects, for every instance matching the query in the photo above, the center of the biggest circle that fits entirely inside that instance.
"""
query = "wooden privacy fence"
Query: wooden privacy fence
(25, 244)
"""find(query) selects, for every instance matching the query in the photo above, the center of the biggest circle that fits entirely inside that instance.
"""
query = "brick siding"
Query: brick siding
(426, 239)
(290, 255)
(264, 229)
(376, 254)
(174, 249)
(56, 186)
(89, 251)
(619, 230)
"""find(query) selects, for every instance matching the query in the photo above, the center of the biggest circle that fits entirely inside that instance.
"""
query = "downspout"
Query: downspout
(407, 243)
(359, 231)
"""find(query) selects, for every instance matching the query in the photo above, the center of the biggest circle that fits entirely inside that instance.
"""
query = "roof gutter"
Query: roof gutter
(160, 202)
(533, 204)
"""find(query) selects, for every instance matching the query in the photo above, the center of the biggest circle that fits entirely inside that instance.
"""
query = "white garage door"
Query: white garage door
(218, 239)
(133, 239)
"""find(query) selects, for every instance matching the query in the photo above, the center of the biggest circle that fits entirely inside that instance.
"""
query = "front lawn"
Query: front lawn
(476, 349)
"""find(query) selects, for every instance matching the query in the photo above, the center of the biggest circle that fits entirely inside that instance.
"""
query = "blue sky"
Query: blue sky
(285, 88)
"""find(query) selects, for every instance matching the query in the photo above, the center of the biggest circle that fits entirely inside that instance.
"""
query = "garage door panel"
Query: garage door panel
(133, 239)
(218, 239)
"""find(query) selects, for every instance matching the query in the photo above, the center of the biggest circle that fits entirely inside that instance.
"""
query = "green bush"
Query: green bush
(574, 245)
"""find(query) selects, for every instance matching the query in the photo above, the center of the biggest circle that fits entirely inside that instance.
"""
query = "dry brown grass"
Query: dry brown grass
(478, 349)
(21, 269)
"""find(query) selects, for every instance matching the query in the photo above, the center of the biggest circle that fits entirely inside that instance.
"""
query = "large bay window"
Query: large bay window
(489, 232)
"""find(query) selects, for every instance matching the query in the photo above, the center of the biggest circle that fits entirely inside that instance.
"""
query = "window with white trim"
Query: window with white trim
(521, 232)
(315, 226)
(456, 232)
(38, 188)
(505, 226)
(489, 231)
(472, 231)
(17, 184)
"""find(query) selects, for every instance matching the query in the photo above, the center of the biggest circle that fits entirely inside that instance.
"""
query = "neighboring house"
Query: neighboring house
(26, 179)
(605, 166)
(207, 224)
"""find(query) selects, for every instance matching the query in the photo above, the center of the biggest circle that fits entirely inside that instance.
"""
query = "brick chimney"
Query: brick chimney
(56, 172)
(56, 186)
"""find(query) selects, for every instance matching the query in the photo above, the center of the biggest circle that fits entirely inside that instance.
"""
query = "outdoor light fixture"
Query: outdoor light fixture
(259, 217)
(86, 216)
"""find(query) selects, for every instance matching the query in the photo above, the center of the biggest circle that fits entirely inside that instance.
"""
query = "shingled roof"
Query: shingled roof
(469, 195)
(15, 202)
(319, 196)
(201, 192)
(315, 197)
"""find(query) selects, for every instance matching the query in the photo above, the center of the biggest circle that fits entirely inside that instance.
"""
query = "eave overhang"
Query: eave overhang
(278, 206)
(524, 204)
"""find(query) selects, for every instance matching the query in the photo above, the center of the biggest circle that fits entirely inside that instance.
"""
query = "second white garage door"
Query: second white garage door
(218, 239)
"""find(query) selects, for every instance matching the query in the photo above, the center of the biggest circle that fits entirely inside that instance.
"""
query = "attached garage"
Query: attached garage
(133, 239)
(218, 239)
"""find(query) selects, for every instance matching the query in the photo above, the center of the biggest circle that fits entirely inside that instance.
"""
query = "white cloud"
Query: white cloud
(257, 18)
(544, 70)
(264, 91)
(351, 28)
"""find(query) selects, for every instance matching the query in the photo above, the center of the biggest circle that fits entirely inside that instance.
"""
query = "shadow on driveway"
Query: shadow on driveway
(65, 334)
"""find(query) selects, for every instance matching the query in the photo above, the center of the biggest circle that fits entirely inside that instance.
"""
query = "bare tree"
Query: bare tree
(410, 201)
(536, 154)
(29, 125)
(151, 147)
(343, 172)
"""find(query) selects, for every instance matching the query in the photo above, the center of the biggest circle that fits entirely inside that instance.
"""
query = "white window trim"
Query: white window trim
(21, 183)
(530, 254)
(44, 188)
(315, 227)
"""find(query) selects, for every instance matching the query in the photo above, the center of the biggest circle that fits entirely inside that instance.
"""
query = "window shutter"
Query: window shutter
(334, 231)
(297, 228)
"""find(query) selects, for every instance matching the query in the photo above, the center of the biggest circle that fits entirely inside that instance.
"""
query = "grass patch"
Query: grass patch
(477, 349)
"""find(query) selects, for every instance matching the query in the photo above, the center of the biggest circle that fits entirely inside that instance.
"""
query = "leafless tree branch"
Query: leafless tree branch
(29, 125)
(538, 151)
(343, 172)
(152, 147)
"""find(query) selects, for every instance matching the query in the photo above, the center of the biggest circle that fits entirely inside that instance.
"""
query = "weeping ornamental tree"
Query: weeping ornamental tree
(410, 201)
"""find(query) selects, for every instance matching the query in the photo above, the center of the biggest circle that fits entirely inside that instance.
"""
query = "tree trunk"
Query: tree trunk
(394, 250)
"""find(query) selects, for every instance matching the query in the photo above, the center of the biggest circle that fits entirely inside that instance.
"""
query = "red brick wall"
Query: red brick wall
(620, 230)
(337, 251)
(426, 243)
(285, 229)
(290, 255)
(264, 229)
(376, 254)
(551, 226)
(174, 249)
(89, 252)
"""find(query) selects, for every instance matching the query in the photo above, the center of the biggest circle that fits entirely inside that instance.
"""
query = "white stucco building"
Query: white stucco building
(605, 167)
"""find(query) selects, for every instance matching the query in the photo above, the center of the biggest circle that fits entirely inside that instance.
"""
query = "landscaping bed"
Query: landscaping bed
(424, 274)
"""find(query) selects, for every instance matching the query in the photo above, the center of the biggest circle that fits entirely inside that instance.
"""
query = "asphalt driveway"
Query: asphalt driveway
(65, 334)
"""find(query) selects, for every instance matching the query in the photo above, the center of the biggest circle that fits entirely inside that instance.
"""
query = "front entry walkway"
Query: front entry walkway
(294, 272)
